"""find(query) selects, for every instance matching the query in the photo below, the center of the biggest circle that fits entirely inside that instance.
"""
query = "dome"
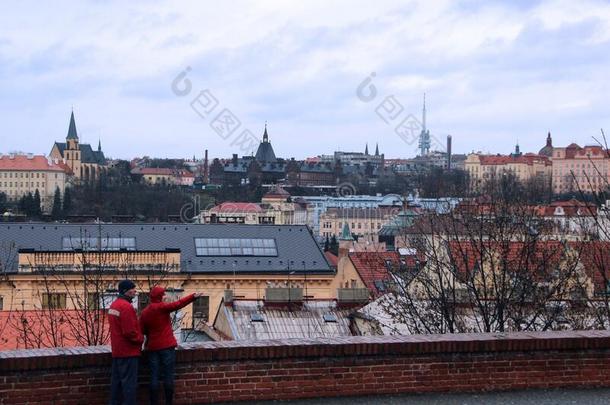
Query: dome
(546, 151)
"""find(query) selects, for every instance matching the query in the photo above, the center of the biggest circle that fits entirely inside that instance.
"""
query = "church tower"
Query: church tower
(72, 153)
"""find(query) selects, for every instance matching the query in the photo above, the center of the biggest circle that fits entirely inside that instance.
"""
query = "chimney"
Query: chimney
(206, 179)
(234, 160)
(449, 152)
(30, 156)
(345, 246)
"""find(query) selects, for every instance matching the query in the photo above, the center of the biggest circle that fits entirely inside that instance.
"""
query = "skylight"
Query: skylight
(235, 247)
(95, 243)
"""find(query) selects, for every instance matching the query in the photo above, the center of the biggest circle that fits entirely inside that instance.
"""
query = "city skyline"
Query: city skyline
(493, 74)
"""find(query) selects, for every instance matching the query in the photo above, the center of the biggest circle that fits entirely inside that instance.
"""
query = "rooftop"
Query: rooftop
(31, 163)
(206, 248)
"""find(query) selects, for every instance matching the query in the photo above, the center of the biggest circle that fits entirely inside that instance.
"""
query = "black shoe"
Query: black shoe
(169, 396)
(153, 395)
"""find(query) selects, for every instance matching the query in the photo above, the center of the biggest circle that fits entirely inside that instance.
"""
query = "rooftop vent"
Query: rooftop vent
(256, 317)
(228, 296)
(352, 295)
(329, 317)
(283, 294)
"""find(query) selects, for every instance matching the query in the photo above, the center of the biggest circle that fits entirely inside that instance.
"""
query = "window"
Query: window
(99, 300)
(107, 243)
(235, 247)
(1, 303)
(201, 310)
(53, 301)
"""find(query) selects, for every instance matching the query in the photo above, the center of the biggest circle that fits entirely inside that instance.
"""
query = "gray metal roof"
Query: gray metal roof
(297, 250)
(88, 155)
(283, 323)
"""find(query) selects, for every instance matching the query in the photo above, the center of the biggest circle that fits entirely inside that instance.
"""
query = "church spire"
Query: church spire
(265, 135)
(72, 128)
(377, 149)
(345, 233)
(366, 149)
(99, 145)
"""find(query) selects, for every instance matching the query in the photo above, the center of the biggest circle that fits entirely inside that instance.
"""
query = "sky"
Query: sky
(324, 75)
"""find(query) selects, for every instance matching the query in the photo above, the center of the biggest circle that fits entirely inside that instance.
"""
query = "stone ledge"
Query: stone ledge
(76, 357)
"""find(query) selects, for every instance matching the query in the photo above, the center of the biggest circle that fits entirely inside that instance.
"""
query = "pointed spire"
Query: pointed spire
(345, 233)
(265, 135)
(377, 149)
(99, 145)
(72, 128)
(423, 119)
(366, 149)
(549, 140)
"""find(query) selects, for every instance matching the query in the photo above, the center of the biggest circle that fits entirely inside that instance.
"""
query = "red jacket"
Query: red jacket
(125, 336)
(156, 321)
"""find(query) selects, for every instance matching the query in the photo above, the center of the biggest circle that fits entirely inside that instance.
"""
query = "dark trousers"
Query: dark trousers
(124, 382)
(162, 362)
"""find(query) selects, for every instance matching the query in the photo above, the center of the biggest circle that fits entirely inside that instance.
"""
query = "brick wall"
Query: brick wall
(214, 372)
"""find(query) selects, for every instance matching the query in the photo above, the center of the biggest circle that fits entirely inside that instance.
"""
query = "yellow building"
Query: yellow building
(22, 174)
(524, 167)
(362, 222)
(275, 208)
(75, 267)
(86, 164)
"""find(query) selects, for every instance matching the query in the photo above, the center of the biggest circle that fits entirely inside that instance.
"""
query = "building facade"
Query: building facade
(319, 204)
(23, 174)
(580, 169)
(164, 176)
(362, 222)
(71, 267)
(85, 163)
(523, 166)
(275, 208)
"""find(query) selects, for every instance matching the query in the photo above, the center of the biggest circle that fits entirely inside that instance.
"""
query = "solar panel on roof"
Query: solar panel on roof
(235, 247)
(94, 243)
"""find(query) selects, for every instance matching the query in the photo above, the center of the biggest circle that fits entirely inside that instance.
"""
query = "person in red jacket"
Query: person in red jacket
(126, 344)
(156, 324)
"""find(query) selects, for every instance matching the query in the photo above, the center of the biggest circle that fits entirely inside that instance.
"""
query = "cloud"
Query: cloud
(494, 72)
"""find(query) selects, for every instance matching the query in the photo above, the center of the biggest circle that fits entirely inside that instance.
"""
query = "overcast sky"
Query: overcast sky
(493, 73)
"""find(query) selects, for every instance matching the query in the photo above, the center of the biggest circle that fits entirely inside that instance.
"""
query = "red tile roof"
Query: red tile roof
(540, 259)
(30, 163)
(528, 158)
(595, 257)
(332, 259)
(595, 151)
(371, 266)
(230, 207)
(570, 208)
(158, 171)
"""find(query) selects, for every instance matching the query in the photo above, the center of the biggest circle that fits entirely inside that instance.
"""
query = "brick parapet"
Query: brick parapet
(300, 368)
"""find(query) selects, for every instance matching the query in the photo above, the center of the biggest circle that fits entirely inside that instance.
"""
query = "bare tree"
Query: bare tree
(491, 265)
(73, 289)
